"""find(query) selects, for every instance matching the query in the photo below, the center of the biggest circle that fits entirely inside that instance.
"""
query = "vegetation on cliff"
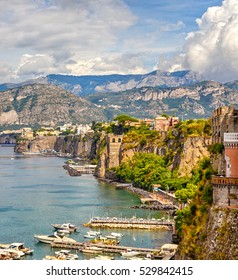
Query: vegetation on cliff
(191, 220)
(144, 169)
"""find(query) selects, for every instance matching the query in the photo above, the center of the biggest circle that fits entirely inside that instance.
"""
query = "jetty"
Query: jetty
(113, 249)
(130, 223)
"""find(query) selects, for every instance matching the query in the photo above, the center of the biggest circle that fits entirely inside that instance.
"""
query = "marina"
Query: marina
(36, 192)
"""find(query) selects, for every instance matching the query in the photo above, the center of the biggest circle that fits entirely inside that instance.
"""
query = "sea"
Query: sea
(36, 191)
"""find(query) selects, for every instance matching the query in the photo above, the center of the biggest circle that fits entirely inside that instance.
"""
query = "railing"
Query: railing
(216, 180)
(231, 137)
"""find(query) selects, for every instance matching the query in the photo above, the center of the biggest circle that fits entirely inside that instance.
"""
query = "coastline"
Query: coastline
(154, 203)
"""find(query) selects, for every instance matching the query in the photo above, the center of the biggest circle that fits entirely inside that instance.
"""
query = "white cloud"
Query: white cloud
(111, 64)
(213, 49)
(57, 35)
(51, 26)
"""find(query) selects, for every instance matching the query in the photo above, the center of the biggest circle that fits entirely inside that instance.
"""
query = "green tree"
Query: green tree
(185, 194)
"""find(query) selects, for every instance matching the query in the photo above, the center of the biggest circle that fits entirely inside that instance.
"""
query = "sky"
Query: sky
(98, 37)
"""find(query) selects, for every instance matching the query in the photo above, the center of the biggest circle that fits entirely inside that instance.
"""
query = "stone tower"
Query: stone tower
(113, 146)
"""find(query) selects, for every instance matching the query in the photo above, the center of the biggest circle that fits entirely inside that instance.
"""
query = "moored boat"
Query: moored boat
(62, 255)
(65, 226)
(53, 237)
(92, 234)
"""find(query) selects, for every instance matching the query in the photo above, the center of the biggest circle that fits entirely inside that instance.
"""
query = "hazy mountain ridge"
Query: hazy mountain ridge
(44, 101)
(90, 84)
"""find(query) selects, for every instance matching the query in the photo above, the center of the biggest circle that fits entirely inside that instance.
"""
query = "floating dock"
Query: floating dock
(127, 223)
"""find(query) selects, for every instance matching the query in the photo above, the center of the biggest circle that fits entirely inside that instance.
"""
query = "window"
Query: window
(119, 140)
(113, 140)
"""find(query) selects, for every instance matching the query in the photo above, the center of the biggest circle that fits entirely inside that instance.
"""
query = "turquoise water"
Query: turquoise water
(36, 192)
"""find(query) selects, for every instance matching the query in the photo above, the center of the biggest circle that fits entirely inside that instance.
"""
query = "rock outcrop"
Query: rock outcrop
(76, 145)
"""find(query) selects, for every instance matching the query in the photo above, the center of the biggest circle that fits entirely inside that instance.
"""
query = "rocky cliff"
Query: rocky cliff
(183, 154)
(217, 239)
(76, 145)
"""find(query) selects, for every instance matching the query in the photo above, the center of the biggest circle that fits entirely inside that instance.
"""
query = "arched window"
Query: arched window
(119, 140)
(113, 140)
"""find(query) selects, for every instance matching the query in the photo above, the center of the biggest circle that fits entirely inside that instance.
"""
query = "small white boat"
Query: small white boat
(65, 227)
(53, 237)
(62, 255)
(117, 234)
(111, 237)
(65, 254)
(92, 234)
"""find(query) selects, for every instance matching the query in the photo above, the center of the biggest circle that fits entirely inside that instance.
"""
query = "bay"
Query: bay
(36, 192)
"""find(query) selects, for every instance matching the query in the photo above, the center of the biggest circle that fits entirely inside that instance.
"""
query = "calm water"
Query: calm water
(36, 192)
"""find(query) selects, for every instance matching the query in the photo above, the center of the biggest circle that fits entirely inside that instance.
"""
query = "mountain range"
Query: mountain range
(56, 99)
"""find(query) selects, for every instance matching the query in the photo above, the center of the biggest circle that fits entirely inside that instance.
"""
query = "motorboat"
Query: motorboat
(92, 234)
(53, 237)
(96, 233)
(65, 227)
(18, 247)
(66, 254)
(62, 255)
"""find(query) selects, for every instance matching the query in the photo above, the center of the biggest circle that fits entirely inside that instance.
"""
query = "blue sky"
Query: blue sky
(80, 37)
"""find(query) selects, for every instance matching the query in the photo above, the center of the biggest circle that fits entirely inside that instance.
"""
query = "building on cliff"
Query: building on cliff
(224, 120)
(163, 124)
(225, 130)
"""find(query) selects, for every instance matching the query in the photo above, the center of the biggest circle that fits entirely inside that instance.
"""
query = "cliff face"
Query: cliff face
(217, 240)
(221, 235)
(75, 145)
(38, 144)
(194, 149)
(184, 154)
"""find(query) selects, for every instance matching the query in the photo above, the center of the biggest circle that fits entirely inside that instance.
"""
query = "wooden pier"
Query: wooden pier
(126, 223)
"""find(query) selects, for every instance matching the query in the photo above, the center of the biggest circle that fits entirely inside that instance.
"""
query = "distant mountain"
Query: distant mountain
(45, 101)
(232, 85)
(45, 105)
(84, 85)
(196, 101)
